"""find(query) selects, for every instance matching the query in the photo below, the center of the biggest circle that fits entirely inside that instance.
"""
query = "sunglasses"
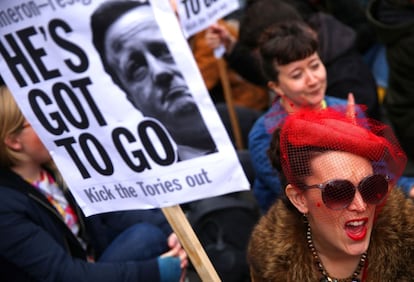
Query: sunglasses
(339, 193)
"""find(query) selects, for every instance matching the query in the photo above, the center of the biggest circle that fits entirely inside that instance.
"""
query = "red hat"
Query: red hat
(333, 129)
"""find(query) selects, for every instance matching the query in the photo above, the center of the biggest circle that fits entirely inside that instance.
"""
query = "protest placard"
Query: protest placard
(114, 93)
(196, 15)
(129, 128)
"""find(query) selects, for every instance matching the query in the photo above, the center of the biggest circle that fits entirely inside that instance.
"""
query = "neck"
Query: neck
(336, 263)
(29, 172)
(339, 267)
(332, 267)
(291, 107)
(288, 105)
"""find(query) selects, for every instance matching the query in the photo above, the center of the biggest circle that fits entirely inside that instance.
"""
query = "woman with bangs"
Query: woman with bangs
(298, 78)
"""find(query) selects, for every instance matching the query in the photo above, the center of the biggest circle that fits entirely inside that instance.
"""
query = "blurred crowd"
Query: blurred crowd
(364, 46)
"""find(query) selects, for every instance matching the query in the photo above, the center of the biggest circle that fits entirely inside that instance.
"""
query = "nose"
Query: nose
(311, 77)
(358, 203)
(161, 73)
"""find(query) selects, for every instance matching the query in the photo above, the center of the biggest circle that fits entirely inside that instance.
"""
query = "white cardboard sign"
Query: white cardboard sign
(117, 152)
(196, 15)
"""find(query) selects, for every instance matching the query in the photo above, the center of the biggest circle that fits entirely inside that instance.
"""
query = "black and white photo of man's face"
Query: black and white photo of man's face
(139, 56)
(136, 56)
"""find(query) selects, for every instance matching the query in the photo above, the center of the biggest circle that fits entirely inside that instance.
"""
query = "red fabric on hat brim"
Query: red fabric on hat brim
(333, 129)
(337, 135)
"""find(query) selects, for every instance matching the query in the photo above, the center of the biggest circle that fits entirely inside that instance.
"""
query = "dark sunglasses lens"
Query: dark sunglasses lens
(373, 189)
(338, 194)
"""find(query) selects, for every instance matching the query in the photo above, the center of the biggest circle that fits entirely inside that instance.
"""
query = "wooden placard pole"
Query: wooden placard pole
(230, 105)
(191, 244)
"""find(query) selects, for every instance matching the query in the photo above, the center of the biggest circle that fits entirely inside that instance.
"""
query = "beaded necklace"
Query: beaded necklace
(321, 268)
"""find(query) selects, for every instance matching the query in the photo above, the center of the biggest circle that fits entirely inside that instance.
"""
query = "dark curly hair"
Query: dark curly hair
(286, 42)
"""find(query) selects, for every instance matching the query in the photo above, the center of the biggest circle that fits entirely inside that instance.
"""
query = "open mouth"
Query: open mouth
(356, 229)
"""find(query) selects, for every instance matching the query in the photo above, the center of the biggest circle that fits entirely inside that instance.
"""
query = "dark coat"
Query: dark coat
(105, 227)
(36, 244)
(278, 250)
(395, 28)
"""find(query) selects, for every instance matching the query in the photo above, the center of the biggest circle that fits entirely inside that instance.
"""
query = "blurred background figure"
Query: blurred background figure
(244, 93)
(339, 46)
(393, 21)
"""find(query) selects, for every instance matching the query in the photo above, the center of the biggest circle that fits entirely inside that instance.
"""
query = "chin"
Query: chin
(318, 100)
(313, 102)
(358, 249)
(185, 108)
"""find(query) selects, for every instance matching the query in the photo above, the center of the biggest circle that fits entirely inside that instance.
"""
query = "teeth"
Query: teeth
(355, 223)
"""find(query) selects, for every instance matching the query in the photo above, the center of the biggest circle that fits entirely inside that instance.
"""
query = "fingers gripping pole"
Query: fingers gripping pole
(191, 244)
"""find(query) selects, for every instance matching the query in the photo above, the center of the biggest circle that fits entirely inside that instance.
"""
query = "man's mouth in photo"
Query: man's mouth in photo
(175, 93)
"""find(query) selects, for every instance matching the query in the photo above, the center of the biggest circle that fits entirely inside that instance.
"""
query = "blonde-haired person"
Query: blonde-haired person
(42, 231)
(341, 217)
